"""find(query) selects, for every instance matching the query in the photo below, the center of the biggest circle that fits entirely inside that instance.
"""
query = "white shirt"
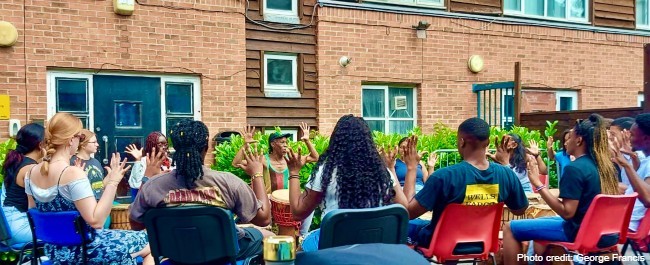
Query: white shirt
(639, 210)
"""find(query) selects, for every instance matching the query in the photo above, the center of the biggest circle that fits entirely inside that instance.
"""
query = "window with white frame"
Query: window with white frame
(566, 100)
(281, 11)
(72, 92)
(293, 132)
(389, 109)
(281, 75)
(640, 99)
(423, 3)
(642, 11)
(571, 10)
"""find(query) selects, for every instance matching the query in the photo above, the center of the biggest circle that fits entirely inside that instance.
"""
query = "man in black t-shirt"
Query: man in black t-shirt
(474, 181)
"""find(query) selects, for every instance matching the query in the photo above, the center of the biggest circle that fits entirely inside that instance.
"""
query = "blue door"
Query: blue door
(126, 110)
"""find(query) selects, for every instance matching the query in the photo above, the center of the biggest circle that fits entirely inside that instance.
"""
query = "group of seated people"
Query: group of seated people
(350, 174)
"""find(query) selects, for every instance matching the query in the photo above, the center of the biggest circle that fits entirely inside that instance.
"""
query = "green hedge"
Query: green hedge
(5, 147)
(442, 138)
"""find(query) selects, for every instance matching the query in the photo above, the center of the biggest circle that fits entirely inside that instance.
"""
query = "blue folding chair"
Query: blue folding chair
(60, 229)
(386, 224)
(193, 235)
(20, 249)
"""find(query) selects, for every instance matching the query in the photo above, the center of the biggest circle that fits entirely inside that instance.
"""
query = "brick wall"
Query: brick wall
(605, 68)
(83, 34)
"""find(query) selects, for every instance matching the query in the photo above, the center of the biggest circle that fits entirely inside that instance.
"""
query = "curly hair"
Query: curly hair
(361, 175)
(518, 158)
(152, 141)
(190, 139)
(594, 132)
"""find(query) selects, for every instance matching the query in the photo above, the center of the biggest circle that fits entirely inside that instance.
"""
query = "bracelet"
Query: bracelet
(540, 188)
(256, 175)
(294, 177)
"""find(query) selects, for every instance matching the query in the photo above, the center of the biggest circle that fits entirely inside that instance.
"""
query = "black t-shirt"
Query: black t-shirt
(580, 181)
(466, 184)
(16, 195)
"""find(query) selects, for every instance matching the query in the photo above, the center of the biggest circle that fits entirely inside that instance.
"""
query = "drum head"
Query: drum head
(280, 195)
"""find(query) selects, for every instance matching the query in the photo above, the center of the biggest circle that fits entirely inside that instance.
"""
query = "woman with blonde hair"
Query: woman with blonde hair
(91, 166)
(55, 186)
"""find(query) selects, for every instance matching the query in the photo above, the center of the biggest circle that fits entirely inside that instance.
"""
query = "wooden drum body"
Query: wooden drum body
(281, 212)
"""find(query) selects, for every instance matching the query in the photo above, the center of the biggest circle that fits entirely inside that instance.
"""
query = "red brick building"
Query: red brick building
(276, 63)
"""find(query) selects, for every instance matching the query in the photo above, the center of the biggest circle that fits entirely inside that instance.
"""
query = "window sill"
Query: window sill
(281, 18)
(562, 20)
(281, 94)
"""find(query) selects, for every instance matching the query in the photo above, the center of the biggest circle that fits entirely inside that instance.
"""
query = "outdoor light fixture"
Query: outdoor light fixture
(344, 61)
(421, 29)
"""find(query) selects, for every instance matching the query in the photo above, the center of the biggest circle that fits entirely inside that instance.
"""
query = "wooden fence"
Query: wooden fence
(567, 119)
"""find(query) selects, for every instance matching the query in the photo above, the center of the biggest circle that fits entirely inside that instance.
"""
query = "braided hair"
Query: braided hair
(28, 139)
(594, 132)
(190, 139)
(151, 142)
(60, 129)
(361, 175)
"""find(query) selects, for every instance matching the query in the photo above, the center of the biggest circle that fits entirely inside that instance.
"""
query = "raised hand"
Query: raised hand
(533, 148)
(502, 155)
(117, 169)
(248, 134)
(294, 161)
(550, 142)
(626, 145)
(134, 151)
(432, 160)
(305, 131)
(616, 153)
(79, 163)
(154, 162)
(533, 171)
(254, 162)
(410, 153)
(389, 155)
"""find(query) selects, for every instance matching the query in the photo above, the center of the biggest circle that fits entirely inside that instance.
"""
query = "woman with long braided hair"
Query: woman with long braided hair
(192, 182)
(350, 174)
(591, 173)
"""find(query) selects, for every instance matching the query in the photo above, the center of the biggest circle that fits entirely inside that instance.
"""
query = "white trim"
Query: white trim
(568, 18)
(51, 93)
(640, 98)
(647, 11)
(281, 90)
(281, 16)
(386, 119)
(293, 132)
(566, 94)
(440, 4)
(88, 74)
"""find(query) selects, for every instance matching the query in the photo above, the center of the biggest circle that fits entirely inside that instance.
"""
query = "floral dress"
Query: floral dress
(108, 246)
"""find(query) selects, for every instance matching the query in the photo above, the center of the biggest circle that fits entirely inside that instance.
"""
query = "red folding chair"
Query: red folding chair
(639, 237)
(465, 232)
(608, 217)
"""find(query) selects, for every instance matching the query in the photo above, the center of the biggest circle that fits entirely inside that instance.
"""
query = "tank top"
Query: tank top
(16, 196)
(279, 180)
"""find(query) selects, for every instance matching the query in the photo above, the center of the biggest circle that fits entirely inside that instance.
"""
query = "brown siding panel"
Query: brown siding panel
(492, 7)
(614, 13)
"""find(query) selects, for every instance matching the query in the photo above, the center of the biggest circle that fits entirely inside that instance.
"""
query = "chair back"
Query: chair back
(386, 224)
(60, 228)
(192, 234)
(606, 223)
(465, 231)
(644, 227)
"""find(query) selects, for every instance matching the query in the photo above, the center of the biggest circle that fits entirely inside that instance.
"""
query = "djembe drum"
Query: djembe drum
(120, 217)
(281, 212)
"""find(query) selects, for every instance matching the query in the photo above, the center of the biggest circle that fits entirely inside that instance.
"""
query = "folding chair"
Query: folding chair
(61, 229)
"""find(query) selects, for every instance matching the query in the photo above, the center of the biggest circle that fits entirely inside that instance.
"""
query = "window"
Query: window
(281, 11)
(180, 100)
(566, 100)
(640, 99)
(389, 109)
(281, 75)
(572, 10)
(507, 109)
(72, 94)
(293, 132)
(642, 10)
(425, 3)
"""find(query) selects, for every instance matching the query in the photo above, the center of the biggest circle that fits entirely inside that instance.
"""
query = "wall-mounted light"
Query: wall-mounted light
(421, 29)
(475, 63)
(345, 61)
(8, 34)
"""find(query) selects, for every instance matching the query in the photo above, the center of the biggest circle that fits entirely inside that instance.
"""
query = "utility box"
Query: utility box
(124, 7)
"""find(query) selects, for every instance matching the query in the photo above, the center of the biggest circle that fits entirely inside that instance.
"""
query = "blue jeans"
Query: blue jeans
(545, 228)
(18, 226)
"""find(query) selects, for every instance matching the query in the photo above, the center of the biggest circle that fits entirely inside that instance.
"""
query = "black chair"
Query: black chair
(386, 224)
(60, 228)
(193, 235)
